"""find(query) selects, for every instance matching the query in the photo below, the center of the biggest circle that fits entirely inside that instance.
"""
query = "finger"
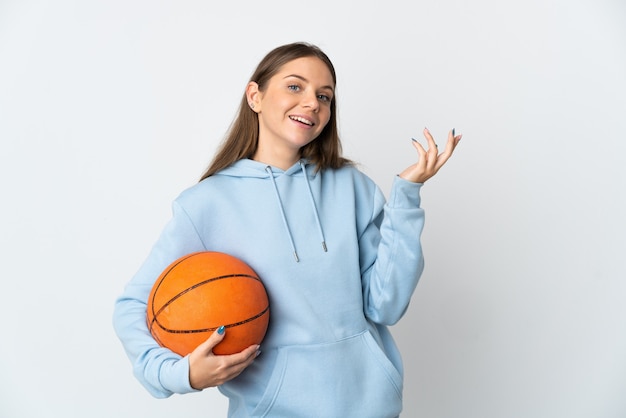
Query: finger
(421, 152)
(432, 150)
(453, 141)
(432, 145)
(234, 364)
(244, 356)
(453, 138)
(214, 339)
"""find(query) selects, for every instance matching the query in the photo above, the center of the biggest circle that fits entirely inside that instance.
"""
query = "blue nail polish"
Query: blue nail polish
(413, 139)
(221, 330)
(453, 132)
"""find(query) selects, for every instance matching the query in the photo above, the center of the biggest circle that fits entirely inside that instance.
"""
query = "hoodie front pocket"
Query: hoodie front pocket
(347, 378)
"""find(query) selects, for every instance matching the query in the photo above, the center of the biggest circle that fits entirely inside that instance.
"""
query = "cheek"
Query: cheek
(276, 103)
(324, 119)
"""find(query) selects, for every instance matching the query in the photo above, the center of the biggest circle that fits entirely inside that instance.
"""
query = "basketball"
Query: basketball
(202, 291)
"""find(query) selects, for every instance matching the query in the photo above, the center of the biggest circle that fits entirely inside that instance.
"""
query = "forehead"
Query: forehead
(312, 69)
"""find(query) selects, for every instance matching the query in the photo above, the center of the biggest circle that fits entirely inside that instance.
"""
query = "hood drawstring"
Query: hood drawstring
(282, 212)
(317, 217)
(268, 169)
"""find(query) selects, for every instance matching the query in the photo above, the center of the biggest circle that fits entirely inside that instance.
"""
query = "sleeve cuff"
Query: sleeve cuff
(175, 376)
(405, 194)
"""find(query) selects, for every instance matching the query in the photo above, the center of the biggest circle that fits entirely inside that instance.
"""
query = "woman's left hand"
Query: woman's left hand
(430, 160)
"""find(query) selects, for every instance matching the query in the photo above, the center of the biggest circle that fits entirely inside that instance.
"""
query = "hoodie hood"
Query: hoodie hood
(255, 169)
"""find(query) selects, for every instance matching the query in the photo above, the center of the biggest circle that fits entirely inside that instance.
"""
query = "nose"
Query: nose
(310, 101)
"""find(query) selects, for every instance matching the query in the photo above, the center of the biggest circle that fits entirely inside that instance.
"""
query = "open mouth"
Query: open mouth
(302, 120)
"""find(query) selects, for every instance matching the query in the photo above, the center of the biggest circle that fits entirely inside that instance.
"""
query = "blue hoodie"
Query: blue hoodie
(339, 265)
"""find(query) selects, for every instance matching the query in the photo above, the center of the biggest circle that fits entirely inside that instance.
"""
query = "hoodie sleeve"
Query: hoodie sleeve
(391, 252)
(161, 371)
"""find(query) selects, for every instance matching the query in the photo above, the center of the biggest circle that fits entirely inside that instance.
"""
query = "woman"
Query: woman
(339, 263)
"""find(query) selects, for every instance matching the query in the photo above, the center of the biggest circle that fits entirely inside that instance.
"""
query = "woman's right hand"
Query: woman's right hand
(207, 369)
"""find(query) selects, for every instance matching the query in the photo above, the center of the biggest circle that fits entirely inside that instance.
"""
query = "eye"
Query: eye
(293, 87)
(324, 98)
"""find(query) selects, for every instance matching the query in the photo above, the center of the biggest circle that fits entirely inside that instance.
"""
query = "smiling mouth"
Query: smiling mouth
(302, 120)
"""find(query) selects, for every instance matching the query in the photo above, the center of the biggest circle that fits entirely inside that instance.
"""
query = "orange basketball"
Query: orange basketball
(200, 292)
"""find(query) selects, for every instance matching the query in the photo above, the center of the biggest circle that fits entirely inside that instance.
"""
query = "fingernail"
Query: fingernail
(413, 139)
(258, 353)
(452, 131)
(221, 330)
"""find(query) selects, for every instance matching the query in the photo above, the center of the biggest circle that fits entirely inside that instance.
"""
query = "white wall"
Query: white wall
(108, 109)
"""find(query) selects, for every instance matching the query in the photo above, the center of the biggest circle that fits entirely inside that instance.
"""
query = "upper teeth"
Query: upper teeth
(299, 119)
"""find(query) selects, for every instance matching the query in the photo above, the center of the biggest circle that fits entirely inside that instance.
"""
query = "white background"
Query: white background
(108, 109)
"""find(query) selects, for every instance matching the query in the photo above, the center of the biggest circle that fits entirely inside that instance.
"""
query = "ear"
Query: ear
(254, 95)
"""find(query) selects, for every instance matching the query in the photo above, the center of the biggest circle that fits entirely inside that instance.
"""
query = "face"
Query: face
(294, 108)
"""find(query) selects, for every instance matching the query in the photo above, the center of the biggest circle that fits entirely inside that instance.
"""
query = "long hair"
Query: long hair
(242, 137)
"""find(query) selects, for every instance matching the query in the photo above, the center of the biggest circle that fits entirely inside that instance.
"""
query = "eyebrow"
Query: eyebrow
(305, 80)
